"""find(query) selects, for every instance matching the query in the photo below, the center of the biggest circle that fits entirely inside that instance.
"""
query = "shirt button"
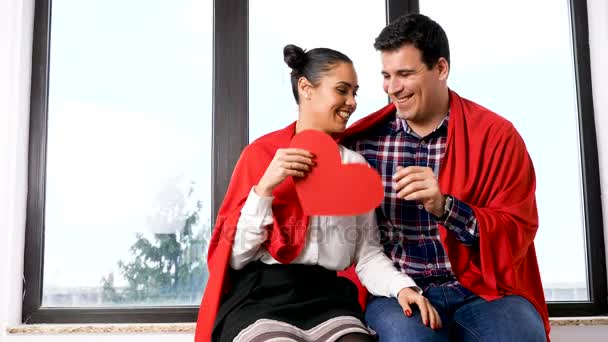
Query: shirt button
(422, 236)
(429, 266)
(422, 143)
(420, 206)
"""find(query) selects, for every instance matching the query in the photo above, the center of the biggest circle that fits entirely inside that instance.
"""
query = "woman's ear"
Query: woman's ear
(304, 88)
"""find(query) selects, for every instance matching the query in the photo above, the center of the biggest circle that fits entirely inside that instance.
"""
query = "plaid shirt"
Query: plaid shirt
(410, 234)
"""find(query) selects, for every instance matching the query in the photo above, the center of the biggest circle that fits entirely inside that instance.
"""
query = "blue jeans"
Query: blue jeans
(465, 317)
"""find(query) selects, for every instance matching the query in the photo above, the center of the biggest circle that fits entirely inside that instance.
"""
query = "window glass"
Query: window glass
(516, 58)
(128, 162)
(344, 25)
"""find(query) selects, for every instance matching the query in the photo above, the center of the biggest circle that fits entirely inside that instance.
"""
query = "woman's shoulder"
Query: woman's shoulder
(272, 141)
(259, 150)
(351, 157)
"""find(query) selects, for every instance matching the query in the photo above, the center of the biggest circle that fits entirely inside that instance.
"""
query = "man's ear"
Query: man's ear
(305, 88)
(443, 67)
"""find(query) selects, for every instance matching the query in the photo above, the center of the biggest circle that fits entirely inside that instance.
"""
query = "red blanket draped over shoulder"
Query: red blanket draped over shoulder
(487, 166)
(285, 238)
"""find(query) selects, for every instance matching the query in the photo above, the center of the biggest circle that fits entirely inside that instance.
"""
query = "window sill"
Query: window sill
(578, 321)
(52, 329)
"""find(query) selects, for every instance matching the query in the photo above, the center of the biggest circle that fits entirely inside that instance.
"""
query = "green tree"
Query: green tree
(167, 269)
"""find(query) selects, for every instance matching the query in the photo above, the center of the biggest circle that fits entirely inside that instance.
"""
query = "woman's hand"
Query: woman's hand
(293, 162)
(408, 296)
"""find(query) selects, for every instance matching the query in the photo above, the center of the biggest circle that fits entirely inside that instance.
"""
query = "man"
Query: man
(459, 214)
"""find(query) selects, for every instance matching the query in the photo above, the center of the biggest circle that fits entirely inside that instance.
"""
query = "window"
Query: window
(128, 147)
(518, 59)
(138, 116)
(517, 67)
(127, 183)
(127, 190)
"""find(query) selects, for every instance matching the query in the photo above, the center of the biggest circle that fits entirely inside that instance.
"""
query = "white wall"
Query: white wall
(16, 17)
(15, 46)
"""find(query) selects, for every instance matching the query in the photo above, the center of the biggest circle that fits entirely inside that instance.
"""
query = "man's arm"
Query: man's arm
(459, 218)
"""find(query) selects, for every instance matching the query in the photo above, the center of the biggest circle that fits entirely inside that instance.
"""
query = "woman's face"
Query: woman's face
(329, 105)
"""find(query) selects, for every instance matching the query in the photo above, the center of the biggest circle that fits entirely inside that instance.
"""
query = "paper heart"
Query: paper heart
(333, 188)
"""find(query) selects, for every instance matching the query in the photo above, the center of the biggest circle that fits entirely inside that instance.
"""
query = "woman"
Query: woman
(272, 269)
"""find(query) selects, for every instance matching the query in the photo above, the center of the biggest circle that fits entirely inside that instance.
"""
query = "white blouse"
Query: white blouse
(334, 242)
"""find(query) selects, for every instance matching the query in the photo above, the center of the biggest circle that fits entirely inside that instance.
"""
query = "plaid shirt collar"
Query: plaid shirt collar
(398, 124)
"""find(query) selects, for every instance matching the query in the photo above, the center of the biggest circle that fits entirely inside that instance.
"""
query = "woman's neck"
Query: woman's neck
(304, 124)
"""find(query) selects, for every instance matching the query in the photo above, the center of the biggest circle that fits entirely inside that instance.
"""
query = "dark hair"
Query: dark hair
(419, 30)
(311, 64)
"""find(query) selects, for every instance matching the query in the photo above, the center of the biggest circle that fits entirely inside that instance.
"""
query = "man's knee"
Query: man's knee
(511, 318)
(471, 332)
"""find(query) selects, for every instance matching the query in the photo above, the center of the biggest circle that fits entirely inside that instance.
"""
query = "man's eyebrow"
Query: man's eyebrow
(407, 70)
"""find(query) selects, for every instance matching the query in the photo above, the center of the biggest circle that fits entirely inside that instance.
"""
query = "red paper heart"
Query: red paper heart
(333, 188)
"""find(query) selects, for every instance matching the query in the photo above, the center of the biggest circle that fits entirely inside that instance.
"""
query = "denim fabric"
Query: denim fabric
(465, 317)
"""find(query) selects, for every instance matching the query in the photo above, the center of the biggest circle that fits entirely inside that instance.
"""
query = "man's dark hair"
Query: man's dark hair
(420, 31)
(311, 64)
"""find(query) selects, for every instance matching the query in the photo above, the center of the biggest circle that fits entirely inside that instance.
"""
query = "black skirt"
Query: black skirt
(288, 300)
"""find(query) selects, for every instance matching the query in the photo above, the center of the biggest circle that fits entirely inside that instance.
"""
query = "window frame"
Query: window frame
(591, 192)
(230, 135)
(592, 204)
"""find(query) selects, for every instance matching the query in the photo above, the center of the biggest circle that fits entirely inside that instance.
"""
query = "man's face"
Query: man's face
(411, 86)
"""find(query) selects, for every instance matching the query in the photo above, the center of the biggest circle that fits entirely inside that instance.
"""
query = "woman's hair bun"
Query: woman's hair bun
(294, 56)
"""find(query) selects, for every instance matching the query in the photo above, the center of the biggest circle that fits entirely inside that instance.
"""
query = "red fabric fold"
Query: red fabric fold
(486, 165)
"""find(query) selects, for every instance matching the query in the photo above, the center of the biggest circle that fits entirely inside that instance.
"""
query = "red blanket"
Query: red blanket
(285, 239)
(487, 166)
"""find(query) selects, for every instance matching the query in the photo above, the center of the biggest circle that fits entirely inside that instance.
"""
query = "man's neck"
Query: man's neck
(431, 122)
(423, 130)
(426, 127)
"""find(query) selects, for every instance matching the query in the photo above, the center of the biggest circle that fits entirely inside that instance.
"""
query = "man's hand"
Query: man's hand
(407, 296)
(416, 183)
